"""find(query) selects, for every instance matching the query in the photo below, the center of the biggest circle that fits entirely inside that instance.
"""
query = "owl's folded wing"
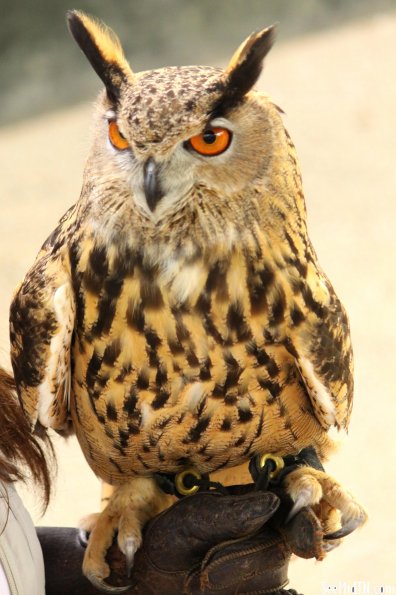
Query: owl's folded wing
(323, 354)
(41, 327)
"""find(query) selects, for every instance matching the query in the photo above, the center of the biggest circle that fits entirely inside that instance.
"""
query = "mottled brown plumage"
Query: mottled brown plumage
(192, 326)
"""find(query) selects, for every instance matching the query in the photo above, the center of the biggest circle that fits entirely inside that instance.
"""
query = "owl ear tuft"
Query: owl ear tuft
(245, 68)
(103, 50)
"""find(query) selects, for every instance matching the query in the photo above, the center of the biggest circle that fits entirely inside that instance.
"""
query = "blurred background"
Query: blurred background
(333, 72)
(40, 68)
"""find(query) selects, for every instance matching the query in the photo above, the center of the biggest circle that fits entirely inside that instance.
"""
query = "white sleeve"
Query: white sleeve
(21, 558)
(4, 588)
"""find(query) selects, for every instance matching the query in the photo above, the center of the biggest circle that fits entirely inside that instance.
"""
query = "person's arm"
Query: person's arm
(4, 588)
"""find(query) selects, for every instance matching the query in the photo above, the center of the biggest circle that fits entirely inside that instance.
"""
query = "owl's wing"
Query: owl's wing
(41, 327)
(321, 344)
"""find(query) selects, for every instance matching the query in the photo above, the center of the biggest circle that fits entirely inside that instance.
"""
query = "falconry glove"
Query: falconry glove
(206, 543)
(223, 544)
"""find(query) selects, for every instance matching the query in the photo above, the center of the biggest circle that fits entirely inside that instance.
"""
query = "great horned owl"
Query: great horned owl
(177, 316)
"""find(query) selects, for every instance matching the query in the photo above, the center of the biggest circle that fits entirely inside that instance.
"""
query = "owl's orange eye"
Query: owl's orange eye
(213, 141)
(117, 139)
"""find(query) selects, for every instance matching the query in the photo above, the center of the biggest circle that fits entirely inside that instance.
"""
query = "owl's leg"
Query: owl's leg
(88, 522)
(129, 507)
(106, 492)
(338, 510)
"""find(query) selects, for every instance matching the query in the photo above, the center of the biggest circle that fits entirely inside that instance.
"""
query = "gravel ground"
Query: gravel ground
(339, 93)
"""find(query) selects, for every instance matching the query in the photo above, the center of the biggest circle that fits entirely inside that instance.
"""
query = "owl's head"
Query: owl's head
(176, 133)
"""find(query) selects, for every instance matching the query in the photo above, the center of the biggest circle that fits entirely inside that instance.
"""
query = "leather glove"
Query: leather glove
(206, 543)
(217, 544)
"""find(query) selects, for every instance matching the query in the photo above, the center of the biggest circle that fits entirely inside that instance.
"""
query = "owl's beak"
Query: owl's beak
(151, 184)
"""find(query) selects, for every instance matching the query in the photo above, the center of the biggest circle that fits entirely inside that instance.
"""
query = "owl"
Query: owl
(177, 317)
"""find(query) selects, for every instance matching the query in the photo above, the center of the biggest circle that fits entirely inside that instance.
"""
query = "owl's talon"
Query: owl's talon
(328, 546)
(130, 549)
(346, 529)
(103, 586)
(83, 537)
(343, 532)
(298, 505)
(305, 497)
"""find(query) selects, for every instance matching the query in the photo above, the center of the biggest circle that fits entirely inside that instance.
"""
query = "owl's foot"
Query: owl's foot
(339, 512)
(129, 507)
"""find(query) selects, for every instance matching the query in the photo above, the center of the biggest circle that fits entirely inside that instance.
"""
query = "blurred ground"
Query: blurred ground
(339, 92)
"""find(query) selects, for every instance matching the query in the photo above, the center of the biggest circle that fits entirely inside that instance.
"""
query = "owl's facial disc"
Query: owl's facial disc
(158, 179)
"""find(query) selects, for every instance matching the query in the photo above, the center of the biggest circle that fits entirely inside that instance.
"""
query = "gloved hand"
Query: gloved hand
(205, 540)
(204, 544)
